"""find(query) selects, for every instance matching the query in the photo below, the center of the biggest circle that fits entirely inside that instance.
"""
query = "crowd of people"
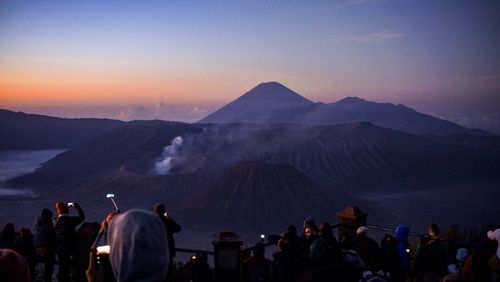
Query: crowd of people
(138, 245)
(142, 242)
(319, 256)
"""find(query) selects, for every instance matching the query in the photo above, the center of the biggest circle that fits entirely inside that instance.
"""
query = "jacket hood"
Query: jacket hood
(402, 233)
(138, 247)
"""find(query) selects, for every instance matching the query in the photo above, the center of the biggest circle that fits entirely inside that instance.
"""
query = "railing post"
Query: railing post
(227, 249)
(350, 219)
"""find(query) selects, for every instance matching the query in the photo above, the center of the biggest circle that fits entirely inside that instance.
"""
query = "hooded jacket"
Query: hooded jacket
(138, 247)
(402, 233)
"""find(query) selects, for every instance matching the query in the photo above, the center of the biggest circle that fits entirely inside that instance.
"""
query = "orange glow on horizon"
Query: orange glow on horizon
(21, 87)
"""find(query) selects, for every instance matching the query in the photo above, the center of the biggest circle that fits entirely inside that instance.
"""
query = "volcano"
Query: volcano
(257, 104)
(259, 195)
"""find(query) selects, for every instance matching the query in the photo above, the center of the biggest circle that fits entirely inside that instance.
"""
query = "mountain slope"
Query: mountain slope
(256, 104)
(388, 115)
(134, 147)
(354, 156)
(20, 131)
(261, 196)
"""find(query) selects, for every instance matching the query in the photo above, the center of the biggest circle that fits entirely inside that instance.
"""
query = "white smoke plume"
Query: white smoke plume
(169, 153)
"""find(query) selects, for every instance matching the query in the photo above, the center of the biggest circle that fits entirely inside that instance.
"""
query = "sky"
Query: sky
(181, 60)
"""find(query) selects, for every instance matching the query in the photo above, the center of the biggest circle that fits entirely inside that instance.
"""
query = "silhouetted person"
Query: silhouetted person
(402, 245)
(387, 260)
(139, 248)
(85, 237)
(431, 259)
(293, 239)
(24, 246)
(64, 228)
(325, 231)
(257, 268)
(171, 227)
(286, 265)
(44, 241)
(365, 246)
(8, 236)
(319, 252)
(197, 269)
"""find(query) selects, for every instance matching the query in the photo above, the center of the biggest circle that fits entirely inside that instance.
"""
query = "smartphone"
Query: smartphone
(70, 205)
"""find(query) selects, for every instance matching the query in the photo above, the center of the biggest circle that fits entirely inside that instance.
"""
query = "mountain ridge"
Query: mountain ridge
(21, 131)
(262, 109)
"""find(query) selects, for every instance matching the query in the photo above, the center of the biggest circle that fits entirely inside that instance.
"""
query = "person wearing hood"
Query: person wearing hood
(13, 267)
(138, 248)
(44, 241)
(402, 245)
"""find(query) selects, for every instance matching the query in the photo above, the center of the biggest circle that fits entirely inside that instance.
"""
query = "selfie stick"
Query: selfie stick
(111, 197)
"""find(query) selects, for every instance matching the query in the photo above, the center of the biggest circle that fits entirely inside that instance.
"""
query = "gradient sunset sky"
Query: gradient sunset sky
(182, 59)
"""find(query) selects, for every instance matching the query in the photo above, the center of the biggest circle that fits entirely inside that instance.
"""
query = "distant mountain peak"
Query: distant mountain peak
(352, 100)
(274, 90)
(256, 104)
(270, 84)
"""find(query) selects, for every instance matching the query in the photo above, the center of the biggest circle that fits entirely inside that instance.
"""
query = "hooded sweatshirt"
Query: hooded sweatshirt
(402, 233)
(138, 247)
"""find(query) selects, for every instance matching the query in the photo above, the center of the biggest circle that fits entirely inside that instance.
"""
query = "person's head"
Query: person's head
(62, 208)
(24, 232)
(259, 250)
(433, 230)
(362, 231)
(8, 228)
(160, 209)
(387, 242)
(310, 232)
(325, 230)
(8, 231)
(283, 244)
(138, 247)
(309, 221)
(13, 267)
(462, 254)
(46, 213)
